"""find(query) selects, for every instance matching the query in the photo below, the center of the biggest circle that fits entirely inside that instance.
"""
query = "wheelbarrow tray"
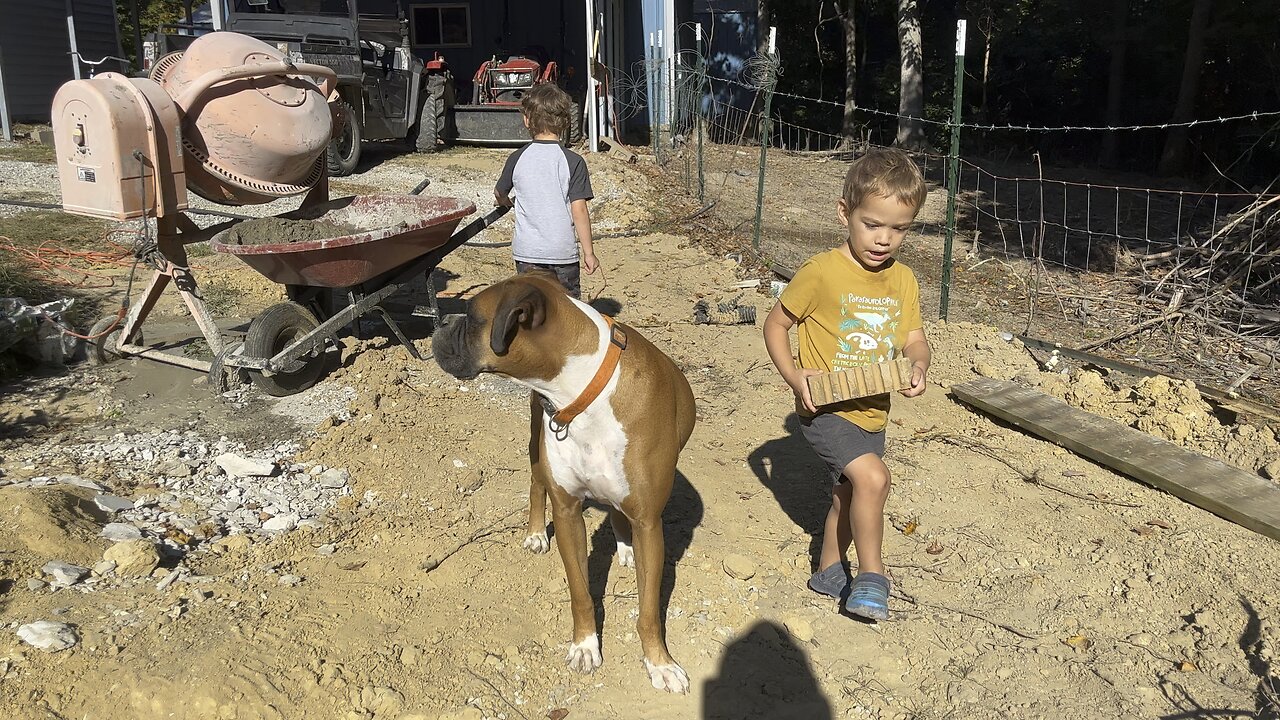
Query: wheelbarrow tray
(400, 229)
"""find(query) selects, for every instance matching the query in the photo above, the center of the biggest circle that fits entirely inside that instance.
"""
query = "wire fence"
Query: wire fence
(1079, 254)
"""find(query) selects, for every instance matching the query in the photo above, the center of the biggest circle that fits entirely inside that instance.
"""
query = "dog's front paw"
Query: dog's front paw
(584, 657)
(626, 555)
(671, 677)
(537, 543)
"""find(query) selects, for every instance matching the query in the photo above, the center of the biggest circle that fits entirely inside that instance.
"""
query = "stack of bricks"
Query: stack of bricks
(860, 382)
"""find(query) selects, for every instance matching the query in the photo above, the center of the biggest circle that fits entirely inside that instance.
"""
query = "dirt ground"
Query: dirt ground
(409, 596)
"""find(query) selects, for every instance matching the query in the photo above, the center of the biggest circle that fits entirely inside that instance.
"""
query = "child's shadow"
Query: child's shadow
(798, 479)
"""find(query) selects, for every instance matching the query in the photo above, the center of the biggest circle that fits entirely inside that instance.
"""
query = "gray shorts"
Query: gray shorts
(839, 442)
(569, 275)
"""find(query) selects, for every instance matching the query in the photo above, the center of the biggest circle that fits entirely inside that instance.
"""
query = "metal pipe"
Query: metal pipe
(215, 9)
(593, 112)
(275, 67)
(4, 106)
(71, 38)
(164, 357)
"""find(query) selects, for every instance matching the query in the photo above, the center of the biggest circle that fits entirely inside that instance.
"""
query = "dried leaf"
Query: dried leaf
(1186, 666)
(935, 548)
(1143, 530)
(1160, 524)
(1098, 541)
(1101, 496)
(1079, 642)
(557, 714)
(898, 422)
(354, 565)
(910, 527)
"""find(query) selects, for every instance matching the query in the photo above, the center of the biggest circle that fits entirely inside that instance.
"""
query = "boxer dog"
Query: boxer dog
(610, 415)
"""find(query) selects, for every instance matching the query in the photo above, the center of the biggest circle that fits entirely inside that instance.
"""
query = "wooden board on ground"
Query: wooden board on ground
(1231, 493)
(859, 382)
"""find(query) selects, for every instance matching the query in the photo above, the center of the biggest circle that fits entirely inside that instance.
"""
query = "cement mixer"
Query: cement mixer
(235, 121)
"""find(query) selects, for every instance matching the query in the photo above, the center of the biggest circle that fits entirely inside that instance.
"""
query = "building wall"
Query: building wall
(34, 47)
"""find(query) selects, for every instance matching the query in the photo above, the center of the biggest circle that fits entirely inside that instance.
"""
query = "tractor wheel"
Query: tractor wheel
(574, 136)
(274, 330)
(344, 148)
(430, 133)
(102, 348)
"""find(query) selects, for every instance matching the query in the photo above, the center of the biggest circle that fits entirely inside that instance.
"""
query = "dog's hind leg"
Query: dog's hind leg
(571, 539)
(622, 533)
(535, 539)
(664, 673)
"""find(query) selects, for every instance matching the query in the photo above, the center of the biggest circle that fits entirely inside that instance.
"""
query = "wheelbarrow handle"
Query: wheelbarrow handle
(475, 227)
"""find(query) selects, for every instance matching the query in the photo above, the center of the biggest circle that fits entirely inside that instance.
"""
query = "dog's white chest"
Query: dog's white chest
(587, 461)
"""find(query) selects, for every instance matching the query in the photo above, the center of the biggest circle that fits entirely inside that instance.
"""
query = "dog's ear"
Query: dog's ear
(524, 306)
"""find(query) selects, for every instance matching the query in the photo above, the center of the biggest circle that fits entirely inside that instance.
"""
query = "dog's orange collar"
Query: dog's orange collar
(561, 418)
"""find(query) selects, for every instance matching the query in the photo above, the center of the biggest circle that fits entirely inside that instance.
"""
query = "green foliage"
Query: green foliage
(151, 15)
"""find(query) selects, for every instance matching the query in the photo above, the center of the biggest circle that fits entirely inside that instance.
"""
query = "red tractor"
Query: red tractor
(493, 116)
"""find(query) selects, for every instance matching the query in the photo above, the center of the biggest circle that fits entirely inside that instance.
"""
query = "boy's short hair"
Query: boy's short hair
(548, 109)
(886, 172)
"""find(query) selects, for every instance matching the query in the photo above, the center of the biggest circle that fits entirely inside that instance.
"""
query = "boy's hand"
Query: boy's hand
(918, 385)
(590, 263)
(800, 385)
(500, 200)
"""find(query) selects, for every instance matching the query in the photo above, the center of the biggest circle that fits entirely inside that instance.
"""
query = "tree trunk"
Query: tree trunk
(1115, 82)
(849, 22)
(911, 92)
(764, 18)
(1174, 158)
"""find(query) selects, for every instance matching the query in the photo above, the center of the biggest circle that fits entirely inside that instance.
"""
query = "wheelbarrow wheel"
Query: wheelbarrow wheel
(101, 348)
(274, 330)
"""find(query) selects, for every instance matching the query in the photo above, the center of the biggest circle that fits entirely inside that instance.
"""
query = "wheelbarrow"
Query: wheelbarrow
(283, 350)
(401, 238)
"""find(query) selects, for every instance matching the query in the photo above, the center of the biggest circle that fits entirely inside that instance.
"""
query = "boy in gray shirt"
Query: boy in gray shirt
(552, 188)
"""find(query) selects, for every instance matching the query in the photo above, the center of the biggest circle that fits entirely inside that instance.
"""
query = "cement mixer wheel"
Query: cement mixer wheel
(101, 348)
(344, 148)
(274, 330)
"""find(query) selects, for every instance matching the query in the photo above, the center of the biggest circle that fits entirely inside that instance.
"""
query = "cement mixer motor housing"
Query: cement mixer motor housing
(386, 92)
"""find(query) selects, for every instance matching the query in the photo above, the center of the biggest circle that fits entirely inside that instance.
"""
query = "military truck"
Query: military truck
(386, 92)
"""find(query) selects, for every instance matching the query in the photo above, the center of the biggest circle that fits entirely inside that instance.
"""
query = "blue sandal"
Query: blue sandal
(869, 597)
(833, 582)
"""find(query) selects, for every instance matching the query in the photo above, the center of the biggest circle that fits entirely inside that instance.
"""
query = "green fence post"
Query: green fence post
(766, 128)
(697, 110)
(953, 171)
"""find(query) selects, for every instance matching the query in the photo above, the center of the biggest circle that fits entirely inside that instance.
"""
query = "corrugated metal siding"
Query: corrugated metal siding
(33, 41)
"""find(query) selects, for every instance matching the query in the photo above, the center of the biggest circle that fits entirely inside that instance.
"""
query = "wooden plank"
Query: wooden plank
(859, 382)
(1241, 497)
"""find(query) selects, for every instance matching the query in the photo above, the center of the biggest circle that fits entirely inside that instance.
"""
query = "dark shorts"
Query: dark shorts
(839, 442)
(570, 276)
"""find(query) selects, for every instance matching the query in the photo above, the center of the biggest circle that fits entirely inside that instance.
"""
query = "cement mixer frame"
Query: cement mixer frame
(119, 125)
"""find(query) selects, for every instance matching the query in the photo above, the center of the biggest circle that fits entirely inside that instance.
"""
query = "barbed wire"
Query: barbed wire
(1254, 116)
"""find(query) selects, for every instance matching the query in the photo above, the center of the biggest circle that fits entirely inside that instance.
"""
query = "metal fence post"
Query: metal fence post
(697, 109)
(650, 71)
(953, 170)
(766, 127)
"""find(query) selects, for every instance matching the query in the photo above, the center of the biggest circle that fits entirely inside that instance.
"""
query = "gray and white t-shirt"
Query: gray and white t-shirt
(546, 177)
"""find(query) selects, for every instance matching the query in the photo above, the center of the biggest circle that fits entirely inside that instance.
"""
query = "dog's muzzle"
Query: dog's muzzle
(451, 350)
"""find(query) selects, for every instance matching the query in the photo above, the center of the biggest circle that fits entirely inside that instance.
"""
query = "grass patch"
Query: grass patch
(220, 299)
(29, 152)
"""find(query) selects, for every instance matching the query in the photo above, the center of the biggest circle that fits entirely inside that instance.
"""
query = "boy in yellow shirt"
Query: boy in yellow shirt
(855, 305)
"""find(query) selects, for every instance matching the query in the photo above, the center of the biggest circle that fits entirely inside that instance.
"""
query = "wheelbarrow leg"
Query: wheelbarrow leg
(352, 299)
(432, 308)
(395, 328)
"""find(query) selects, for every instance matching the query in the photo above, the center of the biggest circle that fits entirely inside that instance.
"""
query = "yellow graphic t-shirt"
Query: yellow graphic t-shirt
(849, 316)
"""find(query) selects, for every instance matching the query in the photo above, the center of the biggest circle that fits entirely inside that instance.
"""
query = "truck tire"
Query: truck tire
(429, 133)
(344, 148)
(574, 136)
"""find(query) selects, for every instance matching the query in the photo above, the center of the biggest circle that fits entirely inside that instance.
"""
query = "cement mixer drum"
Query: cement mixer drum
(250, 140)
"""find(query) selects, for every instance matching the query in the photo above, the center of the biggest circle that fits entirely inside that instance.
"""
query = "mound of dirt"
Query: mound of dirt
(279, 231)
(963, 351)
(57, 522)
(1175, 411)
